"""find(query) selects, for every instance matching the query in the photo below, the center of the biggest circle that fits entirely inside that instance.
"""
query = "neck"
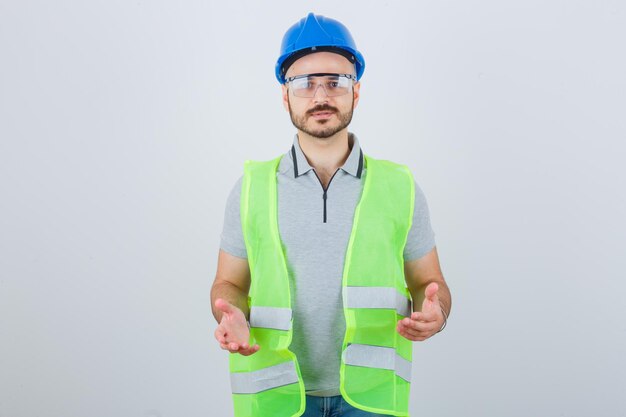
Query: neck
(326, 155)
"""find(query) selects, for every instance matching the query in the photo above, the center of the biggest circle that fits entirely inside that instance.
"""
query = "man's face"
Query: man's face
(321, 116)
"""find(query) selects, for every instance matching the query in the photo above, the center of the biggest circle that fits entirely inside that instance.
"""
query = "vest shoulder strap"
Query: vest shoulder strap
(390, 167)
(256, 167)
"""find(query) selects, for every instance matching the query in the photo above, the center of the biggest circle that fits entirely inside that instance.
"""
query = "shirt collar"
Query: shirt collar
(352, 166)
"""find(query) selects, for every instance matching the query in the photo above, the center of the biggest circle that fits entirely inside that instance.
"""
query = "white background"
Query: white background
(123, 126)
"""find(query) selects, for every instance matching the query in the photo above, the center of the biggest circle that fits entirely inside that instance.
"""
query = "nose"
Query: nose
(317, 96)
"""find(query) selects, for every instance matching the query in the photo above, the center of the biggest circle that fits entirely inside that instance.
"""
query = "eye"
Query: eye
(301, 83)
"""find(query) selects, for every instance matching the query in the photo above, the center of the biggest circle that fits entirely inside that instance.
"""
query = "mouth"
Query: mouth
(322, 114)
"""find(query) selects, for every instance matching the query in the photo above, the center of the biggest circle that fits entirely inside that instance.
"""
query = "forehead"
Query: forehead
(318, 62)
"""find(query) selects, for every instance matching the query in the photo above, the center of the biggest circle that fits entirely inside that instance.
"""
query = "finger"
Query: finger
(232, 347)
(228, 346)
(408, 330)
(418, 326)
(412, 335)
(250, 350)
(414, 338)
(419, 318)
(404, 330)
(421, 333)
(426, 316)
(219, 333)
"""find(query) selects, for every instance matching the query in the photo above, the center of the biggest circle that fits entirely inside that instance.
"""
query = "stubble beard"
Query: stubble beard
(321, 131)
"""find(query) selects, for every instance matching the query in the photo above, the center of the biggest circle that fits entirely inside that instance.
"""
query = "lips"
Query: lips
(322, 114)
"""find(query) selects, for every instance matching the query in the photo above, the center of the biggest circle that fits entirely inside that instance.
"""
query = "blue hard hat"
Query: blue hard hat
(316, 33)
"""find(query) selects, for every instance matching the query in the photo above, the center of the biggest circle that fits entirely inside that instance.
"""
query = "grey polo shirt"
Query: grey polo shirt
(314, 226)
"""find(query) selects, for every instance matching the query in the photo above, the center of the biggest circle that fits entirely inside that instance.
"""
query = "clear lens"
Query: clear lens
(334, 85)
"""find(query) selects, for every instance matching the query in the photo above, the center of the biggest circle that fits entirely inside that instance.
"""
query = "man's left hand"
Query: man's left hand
(423, 324)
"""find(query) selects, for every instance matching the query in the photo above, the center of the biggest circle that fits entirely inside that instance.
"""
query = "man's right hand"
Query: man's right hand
(233, 333)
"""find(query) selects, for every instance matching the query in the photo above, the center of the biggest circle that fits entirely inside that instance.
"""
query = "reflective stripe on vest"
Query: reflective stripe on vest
(377, 357)
(267, 378)
(278, 318)
(378, 297)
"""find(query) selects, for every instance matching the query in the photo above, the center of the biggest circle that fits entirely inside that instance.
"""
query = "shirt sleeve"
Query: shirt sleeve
(421, 238)
(232, 235)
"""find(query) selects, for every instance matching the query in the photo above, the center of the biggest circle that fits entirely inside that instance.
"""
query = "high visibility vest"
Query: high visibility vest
(375, 368)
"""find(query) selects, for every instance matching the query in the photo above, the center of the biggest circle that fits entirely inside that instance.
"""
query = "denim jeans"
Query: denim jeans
(333, 407)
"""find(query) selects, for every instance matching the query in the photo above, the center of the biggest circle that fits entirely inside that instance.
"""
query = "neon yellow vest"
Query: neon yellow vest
(375, 368)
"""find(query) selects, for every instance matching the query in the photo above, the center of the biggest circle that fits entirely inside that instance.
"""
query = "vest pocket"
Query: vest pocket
(376, 379)
(263, 379)
(266, 384)
(270, 391)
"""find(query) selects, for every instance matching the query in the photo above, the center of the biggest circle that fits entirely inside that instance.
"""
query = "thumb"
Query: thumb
(431, 291)
(431, 299)
(224, 306)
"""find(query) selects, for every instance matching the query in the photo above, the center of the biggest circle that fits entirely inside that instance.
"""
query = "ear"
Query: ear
(285, 94)
(356, 89)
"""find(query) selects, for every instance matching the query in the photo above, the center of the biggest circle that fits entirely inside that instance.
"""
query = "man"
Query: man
(322, 250)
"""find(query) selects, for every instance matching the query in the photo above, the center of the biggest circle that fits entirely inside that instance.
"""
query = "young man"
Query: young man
(322, 251)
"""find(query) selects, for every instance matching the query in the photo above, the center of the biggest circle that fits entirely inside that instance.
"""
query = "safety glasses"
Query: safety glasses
(334, 85)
